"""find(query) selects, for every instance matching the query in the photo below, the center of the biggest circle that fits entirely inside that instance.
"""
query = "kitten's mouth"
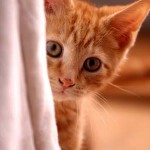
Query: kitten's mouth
(60, 95)
(62, 91)
(63, 95)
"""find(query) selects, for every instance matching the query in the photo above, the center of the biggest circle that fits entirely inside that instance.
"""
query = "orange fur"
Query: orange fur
(87, 31)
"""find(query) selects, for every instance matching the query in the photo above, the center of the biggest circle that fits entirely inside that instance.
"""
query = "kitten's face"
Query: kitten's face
(83, 49)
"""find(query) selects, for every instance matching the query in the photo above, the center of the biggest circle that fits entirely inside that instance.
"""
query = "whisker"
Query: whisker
(99, 96)
(77, 108)
(97, 101)
(99, 105)
(124, 90)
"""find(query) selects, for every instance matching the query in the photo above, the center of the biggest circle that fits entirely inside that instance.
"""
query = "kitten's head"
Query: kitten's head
(85, 44)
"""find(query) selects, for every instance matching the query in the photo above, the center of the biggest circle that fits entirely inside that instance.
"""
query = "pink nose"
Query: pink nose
(66, 83)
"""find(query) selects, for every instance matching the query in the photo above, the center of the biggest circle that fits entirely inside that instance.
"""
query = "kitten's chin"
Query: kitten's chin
(59, 96)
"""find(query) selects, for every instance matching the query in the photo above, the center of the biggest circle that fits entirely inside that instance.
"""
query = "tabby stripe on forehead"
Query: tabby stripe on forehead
(84, 33)
(78, 34)
(82, 41)
(88, 42)
(75, 37)
(96, 28)
(73, 22)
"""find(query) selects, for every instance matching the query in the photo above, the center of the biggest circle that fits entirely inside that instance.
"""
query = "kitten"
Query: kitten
(85, 47)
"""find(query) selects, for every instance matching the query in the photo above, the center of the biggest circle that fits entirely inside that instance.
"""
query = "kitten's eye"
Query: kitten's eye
(92, 64)
(53, 49)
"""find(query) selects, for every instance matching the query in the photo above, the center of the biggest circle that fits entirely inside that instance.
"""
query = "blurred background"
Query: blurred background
(124, 122)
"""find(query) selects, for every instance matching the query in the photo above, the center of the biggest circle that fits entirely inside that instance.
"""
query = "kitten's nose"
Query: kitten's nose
(66, 83)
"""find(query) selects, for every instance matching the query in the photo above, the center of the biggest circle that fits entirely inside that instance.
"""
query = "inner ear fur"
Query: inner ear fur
(126, 23)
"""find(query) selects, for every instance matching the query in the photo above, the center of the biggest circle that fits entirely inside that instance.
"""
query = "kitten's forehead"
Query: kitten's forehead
(83, 29)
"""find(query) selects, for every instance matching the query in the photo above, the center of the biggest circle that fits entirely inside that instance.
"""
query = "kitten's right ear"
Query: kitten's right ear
(57, 7)
(129, 21)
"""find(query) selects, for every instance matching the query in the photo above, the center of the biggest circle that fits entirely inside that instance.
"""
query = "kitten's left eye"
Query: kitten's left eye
(53, 49)
(92, 64)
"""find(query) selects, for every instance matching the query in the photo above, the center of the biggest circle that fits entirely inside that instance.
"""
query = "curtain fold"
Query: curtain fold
(27, 119)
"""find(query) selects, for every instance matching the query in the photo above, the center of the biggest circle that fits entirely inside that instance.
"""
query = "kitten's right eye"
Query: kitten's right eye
(54, 49)
(92, 64)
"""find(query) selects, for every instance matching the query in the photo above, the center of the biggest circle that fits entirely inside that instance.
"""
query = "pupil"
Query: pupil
(92, 62)
(53, 47)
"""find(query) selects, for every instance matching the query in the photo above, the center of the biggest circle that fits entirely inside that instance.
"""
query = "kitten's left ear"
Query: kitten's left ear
(129, 21)
(58, 7)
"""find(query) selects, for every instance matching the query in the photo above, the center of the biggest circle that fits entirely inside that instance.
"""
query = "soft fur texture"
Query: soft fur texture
(84, 31)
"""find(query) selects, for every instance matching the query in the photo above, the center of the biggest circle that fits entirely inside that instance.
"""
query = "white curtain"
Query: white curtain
(27, 119)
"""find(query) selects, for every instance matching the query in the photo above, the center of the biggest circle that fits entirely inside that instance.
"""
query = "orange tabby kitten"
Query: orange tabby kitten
(85, 47)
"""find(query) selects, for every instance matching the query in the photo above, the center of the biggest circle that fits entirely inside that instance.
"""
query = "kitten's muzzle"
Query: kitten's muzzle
(66, 83)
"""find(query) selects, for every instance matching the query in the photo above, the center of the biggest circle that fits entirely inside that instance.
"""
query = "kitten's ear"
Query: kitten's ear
(129, 21)
(55, 7)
